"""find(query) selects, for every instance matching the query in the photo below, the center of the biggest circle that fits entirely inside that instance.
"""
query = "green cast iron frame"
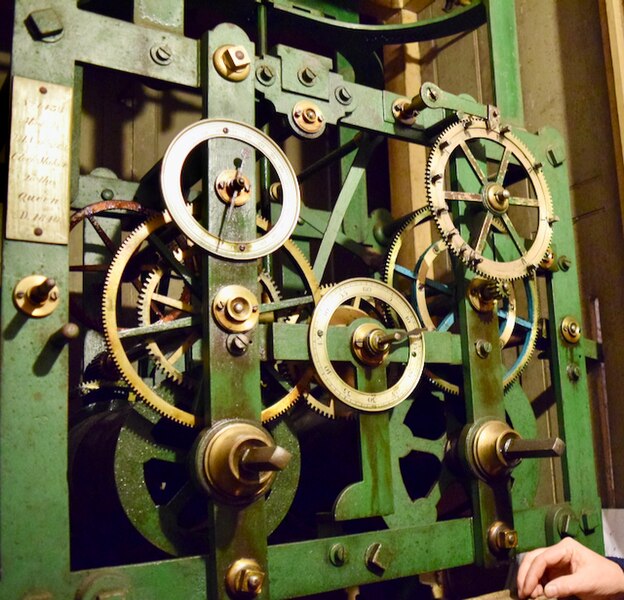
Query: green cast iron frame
(34, 512)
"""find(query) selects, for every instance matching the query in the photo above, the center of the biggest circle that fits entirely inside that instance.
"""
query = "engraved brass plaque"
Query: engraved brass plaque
(39, 162)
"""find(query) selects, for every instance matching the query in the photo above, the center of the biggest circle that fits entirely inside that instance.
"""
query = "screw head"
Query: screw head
(343, 95)
(265, 74)
(483, 348)
(161, 54)
(307, 76)
(338, 555)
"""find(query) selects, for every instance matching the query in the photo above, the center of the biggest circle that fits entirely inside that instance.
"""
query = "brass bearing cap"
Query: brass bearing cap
(571, 329)
(496, 198)
(501, 538)
(308, 119)
(236, 461)
(404, 111)
(230, 185)
(232, 62)
(36, 295)
(484, 448)
(244, 578)
(369, 344)
(235, 309)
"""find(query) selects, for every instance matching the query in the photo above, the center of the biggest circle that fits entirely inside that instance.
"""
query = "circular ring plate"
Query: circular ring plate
(330, 302)
(172, 165)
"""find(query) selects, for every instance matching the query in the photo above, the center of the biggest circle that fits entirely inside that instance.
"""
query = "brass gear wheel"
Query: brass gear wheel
(150, 296)
(135, 244)
(515, 331)
(503, 182)
(139, 339)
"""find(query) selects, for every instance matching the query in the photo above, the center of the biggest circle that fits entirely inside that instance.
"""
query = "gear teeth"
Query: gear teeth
(418, 217)
(439, 208)
(161, 361)
(111, 333)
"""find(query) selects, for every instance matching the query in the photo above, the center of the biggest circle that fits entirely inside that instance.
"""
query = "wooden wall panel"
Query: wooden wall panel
(565, 86)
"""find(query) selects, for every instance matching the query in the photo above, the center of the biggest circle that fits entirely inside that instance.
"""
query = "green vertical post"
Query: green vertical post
(233, 382)
(503, 34)
(568, 360)
(34, 499)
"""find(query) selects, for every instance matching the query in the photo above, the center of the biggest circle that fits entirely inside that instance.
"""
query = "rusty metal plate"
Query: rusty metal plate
(39, 165)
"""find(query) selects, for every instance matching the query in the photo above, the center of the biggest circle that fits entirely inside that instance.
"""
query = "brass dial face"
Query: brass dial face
(368, 290)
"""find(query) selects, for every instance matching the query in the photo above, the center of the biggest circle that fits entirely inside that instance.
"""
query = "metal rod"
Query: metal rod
(334, 155)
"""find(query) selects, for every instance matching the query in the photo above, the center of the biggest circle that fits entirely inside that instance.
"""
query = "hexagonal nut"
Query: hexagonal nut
(507, 539)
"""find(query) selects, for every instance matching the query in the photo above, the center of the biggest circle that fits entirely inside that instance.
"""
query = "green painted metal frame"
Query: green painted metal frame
(34, 527)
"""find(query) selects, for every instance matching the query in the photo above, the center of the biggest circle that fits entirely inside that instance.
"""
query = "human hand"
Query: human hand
(566, 569)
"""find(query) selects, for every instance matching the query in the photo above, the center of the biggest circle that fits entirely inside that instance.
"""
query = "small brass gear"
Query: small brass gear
(490, 197)
(151, 295)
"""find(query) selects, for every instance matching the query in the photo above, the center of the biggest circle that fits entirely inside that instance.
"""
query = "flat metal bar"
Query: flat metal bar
(407, 551)
(355, 175)
(505, 60)
(102, 49)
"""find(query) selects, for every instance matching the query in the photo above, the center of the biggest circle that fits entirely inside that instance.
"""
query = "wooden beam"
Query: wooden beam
(612, 22)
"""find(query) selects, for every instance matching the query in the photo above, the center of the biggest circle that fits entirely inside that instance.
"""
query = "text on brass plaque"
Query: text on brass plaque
(39, 162)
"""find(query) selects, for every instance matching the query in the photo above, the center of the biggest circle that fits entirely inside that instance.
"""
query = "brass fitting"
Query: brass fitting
(236, 461)
(571, 329)
(404, 111)
(308, 119)
(370, 344)
(244, 579)
(483, 294)
(492, 448)
(232, 62)
(231, 185)
(501, 538)
(36, 295)
(235, 309)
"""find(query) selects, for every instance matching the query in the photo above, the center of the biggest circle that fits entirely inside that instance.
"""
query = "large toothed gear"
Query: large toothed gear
(501, 184)
(168, 322)
(431, 288)
(124, 342)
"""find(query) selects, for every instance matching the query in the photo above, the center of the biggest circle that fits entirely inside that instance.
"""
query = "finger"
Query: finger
(567, 585)
(525, 565)
(558, 555)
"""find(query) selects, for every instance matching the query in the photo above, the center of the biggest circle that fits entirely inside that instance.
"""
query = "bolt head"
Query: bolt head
(251, 582)
(237, 58)
(338, 555)
(344, 96)
(45, 25)
(265, 74)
